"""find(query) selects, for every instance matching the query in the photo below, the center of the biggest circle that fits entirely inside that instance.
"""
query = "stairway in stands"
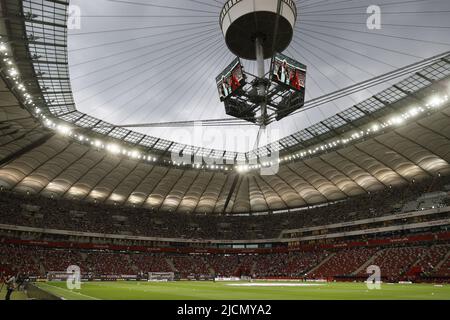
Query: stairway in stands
(369, 262)
(431, 260)
(132, 265)
(442, 265)
(40, 265)
(344, 262)
(171, 265)
(211, 270)
(321, 263)
(447, 257)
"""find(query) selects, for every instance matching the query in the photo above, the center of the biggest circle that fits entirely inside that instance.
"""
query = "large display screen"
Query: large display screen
(230, 80)
(289, 72)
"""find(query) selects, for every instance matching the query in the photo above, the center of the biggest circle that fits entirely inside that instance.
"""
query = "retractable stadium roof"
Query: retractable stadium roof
(390, 139)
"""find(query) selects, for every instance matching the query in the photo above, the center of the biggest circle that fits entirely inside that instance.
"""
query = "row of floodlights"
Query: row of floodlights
(116, 149)
(435, 102)
(66, 130)
(12, 71)
(396, 120)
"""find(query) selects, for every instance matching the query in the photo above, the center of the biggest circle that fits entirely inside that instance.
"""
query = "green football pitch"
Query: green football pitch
(184, 290)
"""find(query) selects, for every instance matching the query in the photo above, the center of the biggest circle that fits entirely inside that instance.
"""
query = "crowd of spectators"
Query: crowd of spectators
(428, 261)
(401, 263)
(40, 212)
(187, 265)
(344, 262)
(229, 265)
(108, 263)
(444, 269)
(150, 263)
(396, 263)
(13, 259)
(57, 260)
(285, 265)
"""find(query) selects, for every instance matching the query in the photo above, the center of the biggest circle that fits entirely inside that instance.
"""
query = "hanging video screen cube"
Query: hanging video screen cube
(230, 80)
(291, 75)
(289, 72)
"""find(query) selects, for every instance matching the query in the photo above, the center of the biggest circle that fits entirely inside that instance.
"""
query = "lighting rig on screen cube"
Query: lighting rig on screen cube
(260, 30)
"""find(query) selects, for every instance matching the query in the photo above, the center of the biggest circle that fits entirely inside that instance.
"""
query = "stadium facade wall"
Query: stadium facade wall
(423, 238)
(289, 235)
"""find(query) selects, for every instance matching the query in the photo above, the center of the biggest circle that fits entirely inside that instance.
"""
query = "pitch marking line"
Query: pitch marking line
(275, 284)
(72, 292)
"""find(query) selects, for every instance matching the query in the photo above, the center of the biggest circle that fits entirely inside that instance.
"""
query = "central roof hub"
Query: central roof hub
(242, 21)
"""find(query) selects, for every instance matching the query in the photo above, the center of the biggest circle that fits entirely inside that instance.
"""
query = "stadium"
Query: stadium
(319, 168)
